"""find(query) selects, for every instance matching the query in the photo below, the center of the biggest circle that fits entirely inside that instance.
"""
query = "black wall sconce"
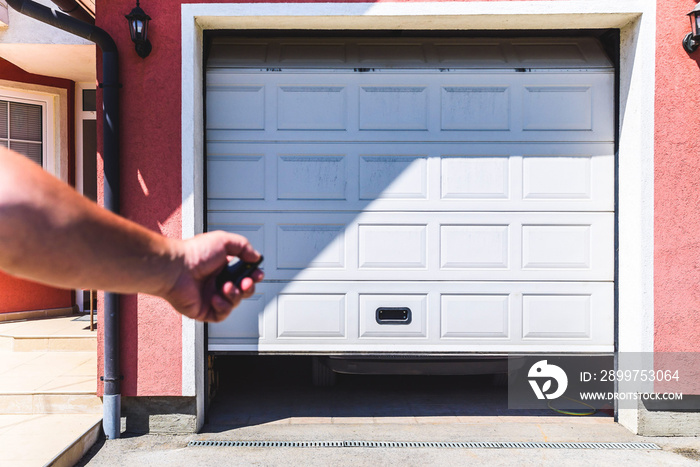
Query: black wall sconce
(138, 27)
(691, 41)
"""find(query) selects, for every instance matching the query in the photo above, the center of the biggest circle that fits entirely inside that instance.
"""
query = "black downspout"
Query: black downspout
(71, 8)
(110, 110)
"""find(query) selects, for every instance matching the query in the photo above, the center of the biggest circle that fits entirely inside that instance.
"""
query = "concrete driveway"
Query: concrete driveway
(272, 400)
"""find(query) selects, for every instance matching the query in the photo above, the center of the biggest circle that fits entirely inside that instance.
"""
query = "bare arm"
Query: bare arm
(51, 234)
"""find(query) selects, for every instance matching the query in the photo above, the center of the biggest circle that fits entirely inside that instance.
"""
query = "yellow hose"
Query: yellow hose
(580, 414)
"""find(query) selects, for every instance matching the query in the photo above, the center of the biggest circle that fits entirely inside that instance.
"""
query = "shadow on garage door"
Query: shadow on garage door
(254, 390)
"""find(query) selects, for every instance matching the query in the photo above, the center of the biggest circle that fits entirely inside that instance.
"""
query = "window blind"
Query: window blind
(21, 129)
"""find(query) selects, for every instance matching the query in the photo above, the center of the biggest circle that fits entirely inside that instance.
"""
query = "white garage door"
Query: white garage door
(416, 196)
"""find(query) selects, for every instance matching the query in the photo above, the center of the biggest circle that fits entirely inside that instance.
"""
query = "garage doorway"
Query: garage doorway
(494, 229)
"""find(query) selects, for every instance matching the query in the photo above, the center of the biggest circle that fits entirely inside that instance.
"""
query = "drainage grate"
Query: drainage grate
(408, 444)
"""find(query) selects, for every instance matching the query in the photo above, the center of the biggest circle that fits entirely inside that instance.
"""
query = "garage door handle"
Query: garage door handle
(393, 315)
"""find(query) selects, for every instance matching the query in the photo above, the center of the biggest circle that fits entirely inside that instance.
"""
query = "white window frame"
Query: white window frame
(50, 159)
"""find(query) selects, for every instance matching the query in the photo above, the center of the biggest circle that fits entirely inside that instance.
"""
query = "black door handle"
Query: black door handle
(394, 315)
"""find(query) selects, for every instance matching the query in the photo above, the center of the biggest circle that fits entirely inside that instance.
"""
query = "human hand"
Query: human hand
(194, 293)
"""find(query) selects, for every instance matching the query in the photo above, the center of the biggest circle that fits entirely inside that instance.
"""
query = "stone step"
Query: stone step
(48, 382)
(56, 440)
(50, 403)
(65, 334)
(48, 344)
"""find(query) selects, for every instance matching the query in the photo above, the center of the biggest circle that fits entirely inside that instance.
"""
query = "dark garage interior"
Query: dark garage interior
(253, 390)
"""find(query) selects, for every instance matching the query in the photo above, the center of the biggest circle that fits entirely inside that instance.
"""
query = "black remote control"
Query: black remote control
(235, 271)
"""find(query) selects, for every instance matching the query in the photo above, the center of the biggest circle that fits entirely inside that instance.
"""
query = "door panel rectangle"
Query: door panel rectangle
(311, 315)
(557, 316)
(475, 316)
(392, 246)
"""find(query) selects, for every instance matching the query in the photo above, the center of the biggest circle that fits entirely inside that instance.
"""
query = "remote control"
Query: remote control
(235, 271)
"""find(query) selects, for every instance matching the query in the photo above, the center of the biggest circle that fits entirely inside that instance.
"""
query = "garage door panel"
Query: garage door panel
(416, 195)
(398, 246)
(311, 177)
(249, 323)
(311, 316)
(429, 246)
(557, 246)
(300, 52)
(475, 316)
(555, 316)
(475, 247)
(393, 108)
(393, 176)
(372, 326)
(459, 106)
(476, 177)
(475, 108)
(423, 177)
(302, 246)
(425, 52)
(557, 108)
(560, 177)
(236, 107)
(311, 107)
(248, 182)
(255, 233)
(446, 317)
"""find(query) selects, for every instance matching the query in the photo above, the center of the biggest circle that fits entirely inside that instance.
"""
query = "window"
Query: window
(89, 100)
(22, 128)
(28, 125)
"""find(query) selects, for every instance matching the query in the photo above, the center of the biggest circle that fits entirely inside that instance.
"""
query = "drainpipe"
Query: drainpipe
(110, 107)
(72, 8)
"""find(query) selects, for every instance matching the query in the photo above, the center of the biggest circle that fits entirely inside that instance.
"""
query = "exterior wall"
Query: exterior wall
(21, 295)
(151, 350)
(677, 185)
(18, 294)
(152, 191)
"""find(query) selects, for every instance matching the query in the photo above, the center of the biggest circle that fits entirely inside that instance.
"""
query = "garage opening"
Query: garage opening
(262, 390)
(416, 198)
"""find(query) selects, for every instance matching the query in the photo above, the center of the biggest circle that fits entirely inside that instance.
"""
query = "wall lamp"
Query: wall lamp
(138, 27)
(692, 40)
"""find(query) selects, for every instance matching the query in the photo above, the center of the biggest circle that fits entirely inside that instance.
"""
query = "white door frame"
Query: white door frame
(636, 20)
(81, 115)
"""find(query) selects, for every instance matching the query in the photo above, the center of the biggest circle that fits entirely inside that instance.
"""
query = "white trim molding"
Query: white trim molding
(636, 21)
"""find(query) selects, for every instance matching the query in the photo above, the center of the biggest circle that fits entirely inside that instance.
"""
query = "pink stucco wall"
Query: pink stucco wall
(21, 295)
(151, 332)
(17, 294)
(151, 192)
(676, 184)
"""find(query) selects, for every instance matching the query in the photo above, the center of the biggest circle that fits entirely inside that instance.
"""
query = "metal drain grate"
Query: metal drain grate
(408, 444)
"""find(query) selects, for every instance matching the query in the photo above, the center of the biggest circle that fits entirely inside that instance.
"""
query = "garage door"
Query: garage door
(421, 196)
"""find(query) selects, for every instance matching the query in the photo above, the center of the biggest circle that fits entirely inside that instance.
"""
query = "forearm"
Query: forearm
(51, 234)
